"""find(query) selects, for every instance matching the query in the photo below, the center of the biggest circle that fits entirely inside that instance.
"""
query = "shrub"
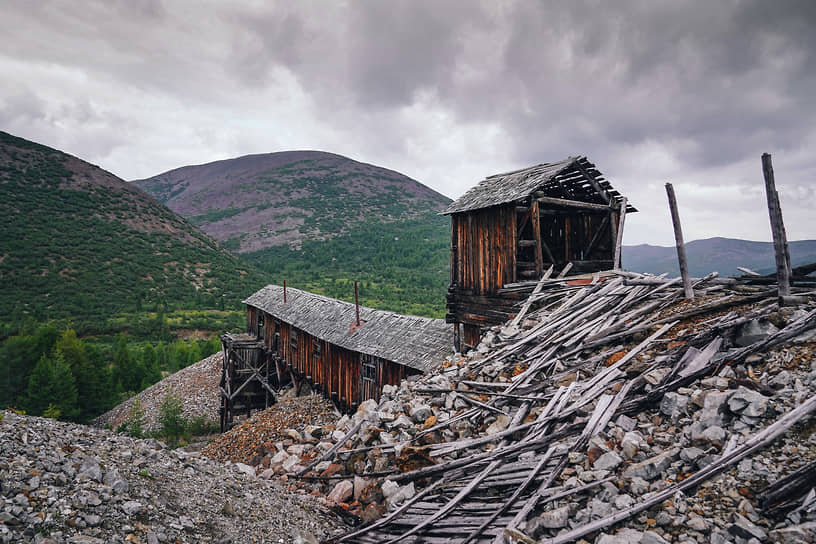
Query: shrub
(135, 422)
(171, 418)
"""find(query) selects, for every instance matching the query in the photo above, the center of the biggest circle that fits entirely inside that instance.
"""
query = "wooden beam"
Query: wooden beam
(616, 261)
(594, 182)
(596, 237)
(572, 203)
(781, 252)
(678, 240)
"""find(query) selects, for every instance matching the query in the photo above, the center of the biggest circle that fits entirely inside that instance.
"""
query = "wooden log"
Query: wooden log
(678, 240)
(781, 252)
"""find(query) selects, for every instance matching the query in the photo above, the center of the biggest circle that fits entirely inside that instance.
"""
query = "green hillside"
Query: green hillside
(80, 243)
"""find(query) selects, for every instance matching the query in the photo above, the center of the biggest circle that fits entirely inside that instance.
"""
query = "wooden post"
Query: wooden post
(783, 267)
(536, 226)
(356, 305)
(678, 239)
(616, 263)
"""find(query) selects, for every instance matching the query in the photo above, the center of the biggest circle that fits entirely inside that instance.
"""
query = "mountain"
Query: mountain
(722, 255)
(321, 221)
(79, 242)
(255, 202)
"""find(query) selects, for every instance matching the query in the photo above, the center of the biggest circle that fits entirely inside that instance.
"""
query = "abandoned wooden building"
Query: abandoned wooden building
(346, 352)
(510, 228)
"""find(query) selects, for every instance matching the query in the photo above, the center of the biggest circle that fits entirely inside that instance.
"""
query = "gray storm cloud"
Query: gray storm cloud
(446, 92)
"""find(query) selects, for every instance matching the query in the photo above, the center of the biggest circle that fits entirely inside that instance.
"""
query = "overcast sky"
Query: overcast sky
(444, 92)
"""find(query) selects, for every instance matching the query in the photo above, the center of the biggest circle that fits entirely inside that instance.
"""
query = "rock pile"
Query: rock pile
(288, 421)
(583, 425)
(63, 483)
(196, 386)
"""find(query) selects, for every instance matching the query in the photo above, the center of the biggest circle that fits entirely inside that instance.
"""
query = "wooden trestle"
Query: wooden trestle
(247, 385)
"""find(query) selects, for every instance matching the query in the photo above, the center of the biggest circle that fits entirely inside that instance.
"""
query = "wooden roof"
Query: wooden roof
(574, 178)
(416, 342)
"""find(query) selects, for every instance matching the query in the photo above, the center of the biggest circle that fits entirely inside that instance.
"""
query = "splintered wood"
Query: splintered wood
(597, 351)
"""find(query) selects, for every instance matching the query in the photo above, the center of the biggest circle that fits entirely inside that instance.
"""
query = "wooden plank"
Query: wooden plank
(678, 240)
(530, 299)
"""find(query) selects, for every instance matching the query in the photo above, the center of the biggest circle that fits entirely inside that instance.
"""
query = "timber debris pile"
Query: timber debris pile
(611, 410)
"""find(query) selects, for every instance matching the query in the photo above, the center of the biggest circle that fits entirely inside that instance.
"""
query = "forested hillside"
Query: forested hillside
(103, 287)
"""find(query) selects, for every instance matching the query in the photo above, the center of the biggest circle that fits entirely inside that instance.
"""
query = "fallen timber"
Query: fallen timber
(589, 354)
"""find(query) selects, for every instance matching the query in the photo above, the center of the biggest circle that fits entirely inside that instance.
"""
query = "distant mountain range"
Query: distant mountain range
(256, 202)
(78, 242)
(721, 255)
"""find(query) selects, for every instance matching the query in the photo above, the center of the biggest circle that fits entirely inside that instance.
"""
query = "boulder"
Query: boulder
(342, 491)
(651, 468)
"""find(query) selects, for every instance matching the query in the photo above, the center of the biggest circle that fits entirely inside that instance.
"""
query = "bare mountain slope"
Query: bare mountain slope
(260, 201)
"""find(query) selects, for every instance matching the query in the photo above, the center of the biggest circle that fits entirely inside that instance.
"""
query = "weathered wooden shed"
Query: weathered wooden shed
(511, 227)
(319, 339)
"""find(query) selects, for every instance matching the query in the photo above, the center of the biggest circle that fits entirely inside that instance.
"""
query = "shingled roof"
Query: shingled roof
(574, 178)
(416, 342)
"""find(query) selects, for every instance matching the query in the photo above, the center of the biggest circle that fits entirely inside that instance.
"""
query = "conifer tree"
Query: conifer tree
(51, 387)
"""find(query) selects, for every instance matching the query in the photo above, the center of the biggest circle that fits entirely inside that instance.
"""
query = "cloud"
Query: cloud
(445, 91)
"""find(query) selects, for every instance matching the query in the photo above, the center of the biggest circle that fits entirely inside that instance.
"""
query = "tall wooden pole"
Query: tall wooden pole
(616, 264)
(678, 239)
(782, 254)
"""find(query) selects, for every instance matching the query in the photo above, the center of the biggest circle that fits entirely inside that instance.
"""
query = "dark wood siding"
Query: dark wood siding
(337, 372)
(485, 242)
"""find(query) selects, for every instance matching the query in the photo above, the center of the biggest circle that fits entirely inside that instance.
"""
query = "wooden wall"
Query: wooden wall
(483, 245)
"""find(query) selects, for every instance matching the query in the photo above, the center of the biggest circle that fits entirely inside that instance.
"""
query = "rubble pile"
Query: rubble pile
(64, 483)
(291, 419)
(615, 413)
(196, 386)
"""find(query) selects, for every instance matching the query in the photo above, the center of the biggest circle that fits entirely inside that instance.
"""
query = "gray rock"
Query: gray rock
(689, 455)
(754, 331)
(608, 461)
(245, 469)
(650, 537)
(90, 469)
(743, 528)
(714, 408)
(621, 536)
(120, 487)
(713, 435)
(420, 412)
(131, 508)
(626, 423)
(673, 404)
(748, 403)
(556, 518)
(651, 468)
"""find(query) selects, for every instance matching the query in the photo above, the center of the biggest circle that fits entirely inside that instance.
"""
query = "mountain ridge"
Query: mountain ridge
(258, 201)
(717, 253)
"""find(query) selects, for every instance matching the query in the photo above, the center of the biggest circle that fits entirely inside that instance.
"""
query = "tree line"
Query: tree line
(53, 373)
